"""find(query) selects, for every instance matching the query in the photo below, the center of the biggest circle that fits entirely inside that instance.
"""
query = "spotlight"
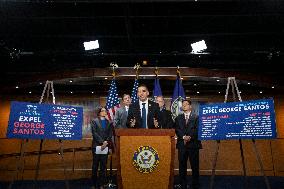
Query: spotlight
(198, 46)
(90, 45)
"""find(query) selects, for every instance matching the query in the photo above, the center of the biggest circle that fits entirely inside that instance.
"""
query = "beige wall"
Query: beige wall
(79, 163)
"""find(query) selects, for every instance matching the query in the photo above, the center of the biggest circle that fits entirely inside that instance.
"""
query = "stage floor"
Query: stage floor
(220, 182)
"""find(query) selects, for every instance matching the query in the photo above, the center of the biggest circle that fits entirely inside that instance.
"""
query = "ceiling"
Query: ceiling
(44, 39)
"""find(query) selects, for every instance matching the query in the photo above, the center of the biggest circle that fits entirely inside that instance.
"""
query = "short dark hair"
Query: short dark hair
(187, 100)
(100, 109)
(125, 94)
(143, 85)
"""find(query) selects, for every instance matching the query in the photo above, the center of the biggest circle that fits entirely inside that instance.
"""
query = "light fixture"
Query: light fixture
(90, 45)
(260, 92)
(272, 87)
(198, 47)
(17, 87)
(217, 80)
(248, 83)
(70, 81)
(197, 92)
(71, 92)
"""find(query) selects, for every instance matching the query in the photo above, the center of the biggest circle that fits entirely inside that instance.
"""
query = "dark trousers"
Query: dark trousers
(99, 160)
(193, 155)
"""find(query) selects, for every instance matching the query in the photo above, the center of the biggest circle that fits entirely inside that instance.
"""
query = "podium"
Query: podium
(157, 146)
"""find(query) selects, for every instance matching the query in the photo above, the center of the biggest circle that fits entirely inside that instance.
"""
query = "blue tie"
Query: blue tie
(144, 116)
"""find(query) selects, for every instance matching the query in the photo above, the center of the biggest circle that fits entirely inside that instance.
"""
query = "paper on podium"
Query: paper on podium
(100, 151)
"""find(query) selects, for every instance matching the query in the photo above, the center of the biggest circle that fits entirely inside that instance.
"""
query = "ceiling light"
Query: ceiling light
(197, 92)
(217, 80)
(70, 81)
(248, 83)
(17, 87)
(90, 45)
(272, 87)
(260, 92)
(92, 92)
(195, 84)
(71, 92)
(219, 92)
(30, 92)
(198, 46)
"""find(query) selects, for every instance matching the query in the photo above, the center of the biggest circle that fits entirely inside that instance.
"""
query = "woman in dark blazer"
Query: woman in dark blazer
(102, 135)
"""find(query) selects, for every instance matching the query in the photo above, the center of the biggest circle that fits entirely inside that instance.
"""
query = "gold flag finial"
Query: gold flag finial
(178, 72)
(114, 66)
(137, 67)
(156, 71)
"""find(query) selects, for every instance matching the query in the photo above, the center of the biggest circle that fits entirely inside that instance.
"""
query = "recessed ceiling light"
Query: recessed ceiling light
(272, 87)
(219, 92)
(260, 92)
(17, 87)
(71, 92)
(105, 77)
(197, 92)
(217, 80)
(248, 83)
(92, 92)
(70, 81)
(90, 45)
(195, 84)
(30, 92)
(40, 83)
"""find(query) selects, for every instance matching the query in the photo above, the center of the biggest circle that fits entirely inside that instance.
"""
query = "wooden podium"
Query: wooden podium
(129, 141)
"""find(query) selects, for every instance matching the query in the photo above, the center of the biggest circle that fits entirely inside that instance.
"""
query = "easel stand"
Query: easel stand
(233, 83)
(48, 88)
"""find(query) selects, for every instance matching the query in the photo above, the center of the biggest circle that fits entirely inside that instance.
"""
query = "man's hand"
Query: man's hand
(105, 143)
(186, 139)
(132, 122)
(156, 123)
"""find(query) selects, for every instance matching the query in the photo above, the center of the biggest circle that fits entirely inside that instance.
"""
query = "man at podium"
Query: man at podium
(143, 113)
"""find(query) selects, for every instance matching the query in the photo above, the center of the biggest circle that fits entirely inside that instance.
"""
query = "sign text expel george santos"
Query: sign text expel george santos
(44, 121)
(237, 120)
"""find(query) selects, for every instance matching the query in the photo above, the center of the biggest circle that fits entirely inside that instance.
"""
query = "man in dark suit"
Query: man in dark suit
(166, 120)
(188, 145)
(143, 113)
(121, 113)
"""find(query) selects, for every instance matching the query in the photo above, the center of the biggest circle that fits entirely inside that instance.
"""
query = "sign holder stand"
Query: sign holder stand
(233, 83)
(48, 88)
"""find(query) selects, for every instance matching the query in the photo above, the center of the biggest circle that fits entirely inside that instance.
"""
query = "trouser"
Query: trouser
(99, 160)
(193, 155)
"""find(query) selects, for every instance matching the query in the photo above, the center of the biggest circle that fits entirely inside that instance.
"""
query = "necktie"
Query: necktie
(186, 119)
(144, 116)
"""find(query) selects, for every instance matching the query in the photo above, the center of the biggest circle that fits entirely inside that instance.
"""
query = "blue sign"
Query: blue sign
(44, 121)
(237, 120)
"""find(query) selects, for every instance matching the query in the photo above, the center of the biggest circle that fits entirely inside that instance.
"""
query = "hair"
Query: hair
(125, 94)
(186, 100)
(143, 85)
(99, 110)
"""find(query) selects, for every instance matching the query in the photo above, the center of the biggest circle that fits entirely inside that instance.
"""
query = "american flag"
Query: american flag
(134, 96)
(112, 100)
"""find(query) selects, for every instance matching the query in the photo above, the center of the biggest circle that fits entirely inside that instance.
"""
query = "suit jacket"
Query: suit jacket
(135, 112)
(189, 129)
(166, 119)
(101, 134)
(120, 118)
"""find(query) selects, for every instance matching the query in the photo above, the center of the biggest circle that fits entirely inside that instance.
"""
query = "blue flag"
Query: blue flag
(178, 96)
(134, 96)
(157, 89)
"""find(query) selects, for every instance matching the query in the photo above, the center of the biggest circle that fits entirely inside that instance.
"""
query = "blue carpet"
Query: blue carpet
(220, 182)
